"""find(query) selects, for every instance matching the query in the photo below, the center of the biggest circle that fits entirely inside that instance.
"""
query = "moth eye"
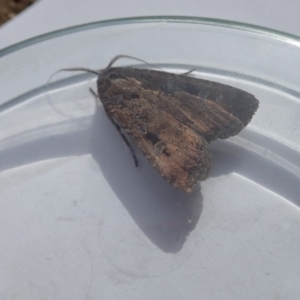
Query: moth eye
(204, 93)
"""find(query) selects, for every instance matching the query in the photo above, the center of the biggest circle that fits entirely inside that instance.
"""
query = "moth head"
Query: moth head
(114, 87)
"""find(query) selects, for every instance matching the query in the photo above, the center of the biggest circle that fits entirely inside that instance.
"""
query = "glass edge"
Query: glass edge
(282, 36)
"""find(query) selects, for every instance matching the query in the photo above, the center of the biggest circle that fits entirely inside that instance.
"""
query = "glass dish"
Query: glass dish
(79, 221)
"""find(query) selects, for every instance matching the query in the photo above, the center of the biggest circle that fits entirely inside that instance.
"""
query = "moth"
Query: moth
(172, 118)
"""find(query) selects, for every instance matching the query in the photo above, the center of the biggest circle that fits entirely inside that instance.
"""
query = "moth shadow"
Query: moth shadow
(165, 214)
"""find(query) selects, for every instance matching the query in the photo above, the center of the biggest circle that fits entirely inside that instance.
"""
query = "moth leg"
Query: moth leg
(94, 93)
(127, 143)
(120, 131)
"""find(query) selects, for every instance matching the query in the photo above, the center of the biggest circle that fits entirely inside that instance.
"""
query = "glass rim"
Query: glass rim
(271, 33)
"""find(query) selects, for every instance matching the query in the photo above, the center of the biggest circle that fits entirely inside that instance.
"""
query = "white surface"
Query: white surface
(83, 265)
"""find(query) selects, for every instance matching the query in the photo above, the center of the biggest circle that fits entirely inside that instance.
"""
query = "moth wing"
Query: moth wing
(171, 118)
(177, 152)
(237, 102)
(213, 109)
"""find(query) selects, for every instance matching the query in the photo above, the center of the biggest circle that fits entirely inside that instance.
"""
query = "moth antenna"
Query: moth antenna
(188, 72)
(68, 70)
(73, 70)
(131, 57)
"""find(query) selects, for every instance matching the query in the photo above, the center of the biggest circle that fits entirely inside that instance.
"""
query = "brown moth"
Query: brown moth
(173, 118)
